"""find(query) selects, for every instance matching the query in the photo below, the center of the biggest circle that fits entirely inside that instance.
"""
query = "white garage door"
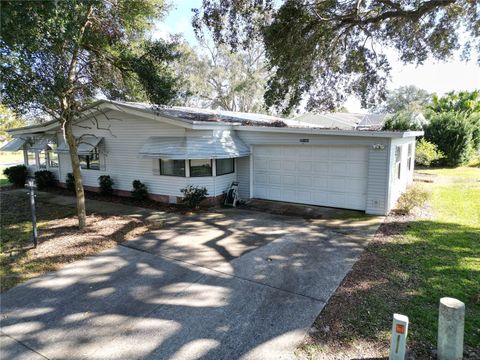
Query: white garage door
(320, 175)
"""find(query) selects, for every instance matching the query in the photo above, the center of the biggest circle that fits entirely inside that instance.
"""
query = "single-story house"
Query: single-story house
(168, 148)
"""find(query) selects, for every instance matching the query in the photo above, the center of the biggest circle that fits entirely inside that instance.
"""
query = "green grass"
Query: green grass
(441, 256)
(11, 157)
(3, 179)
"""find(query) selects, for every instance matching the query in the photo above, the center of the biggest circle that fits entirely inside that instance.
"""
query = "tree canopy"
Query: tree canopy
(405, 98)
(214, 77)
(58, 56)
(53, 50)
(324, 51)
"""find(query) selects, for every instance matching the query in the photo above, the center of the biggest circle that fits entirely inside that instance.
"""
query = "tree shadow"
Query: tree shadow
(275, 274)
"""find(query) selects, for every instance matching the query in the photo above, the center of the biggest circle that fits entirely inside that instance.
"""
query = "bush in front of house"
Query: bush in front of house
(70, 182)
(106, 184)
(427, 153)
(193, 195)
(44, 179)
(140, 191)
(453, 134)
(17, 175)
(415, 197)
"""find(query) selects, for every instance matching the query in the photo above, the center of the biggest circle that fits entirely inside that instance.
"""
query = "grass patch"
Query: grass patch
(3, 179)
(410, 265)
(11, 157)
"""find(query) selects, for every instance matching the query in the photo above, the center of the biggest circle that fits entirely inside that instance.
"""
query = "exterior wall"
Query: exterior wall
(378, 161)
(243, 177)
(398, 186)
(124, 135)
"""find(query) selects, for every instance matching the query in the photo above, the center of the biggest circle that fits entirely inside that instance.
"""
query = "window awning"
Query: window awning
(14, 145)
(223, 145)
(42, 143)
(85, 145)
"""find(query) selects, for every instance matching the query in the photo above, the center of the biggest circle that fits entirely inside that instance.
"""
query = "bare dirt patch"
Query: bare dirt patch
(60, 241)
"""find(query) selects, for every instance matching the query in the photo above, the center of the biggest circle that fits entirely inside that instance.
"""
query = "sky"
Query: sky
(433, 76)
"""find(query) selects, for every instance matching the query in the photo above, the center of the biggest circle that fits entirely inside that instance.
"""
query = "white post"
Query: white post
(398, 344)
(451, 322)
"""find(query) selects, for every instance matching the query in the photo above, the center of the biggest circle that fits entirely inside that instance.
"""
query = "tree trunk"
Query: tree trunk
(82, 214)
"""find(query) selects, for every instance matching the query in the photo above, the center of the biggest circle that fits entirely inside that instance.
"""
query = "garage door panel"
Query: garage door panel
(274, 179)
(304, 181)
(320, 182)
(304, 166)
(289, 180)
(289, 165)
(320, 175)
(275, 165)
(260, 164)
(320, 167)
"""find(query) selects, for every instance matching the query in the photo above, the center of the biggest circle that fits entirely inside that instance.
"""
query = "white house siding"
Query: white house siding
(378, 174)
(243, 176)
(398, 186)
(119, 154)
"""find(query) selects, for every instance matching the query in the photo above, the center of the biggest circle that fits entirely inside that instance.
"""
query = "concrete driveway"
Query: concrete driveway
(225, 285)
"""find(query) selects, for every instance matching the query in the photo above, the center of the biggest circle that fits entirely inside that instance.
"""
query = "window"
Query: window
(42, 158)
(90, 161)
(398, 161)
(200, 168)
(225, 166)
(409, 157)
(31, 159)
(172, 167)
(52, 158)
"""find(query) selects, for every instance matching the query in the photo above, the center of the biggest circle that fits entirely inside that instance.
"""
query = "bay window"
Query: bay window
(225, 166)
(172, 167)
(200, 168)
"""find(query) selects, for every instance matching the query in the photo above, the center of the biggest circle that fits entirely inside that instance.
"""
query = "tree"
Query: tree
(9, 120)
(57, 56)
(404, 120)
(405, 98)
(454, 125)
(327, 50)
(460, 102)
(214, 77)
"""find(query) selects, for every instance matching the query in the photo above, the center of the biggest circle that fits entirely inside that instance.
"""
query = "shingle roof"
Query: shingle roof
(344, 121)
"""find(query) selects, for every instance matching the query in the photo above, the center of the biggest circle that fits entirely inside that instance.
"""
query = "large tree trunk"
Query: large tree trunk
(82, 214)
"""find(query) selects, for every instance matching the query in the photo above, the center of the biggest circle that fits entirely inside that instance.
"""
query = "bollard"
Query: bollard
(398, 344)
(451, 322)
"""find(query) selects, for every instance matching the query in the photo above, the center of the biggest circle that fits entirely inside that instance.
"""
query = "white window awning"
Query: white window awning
(42, 143)
(14, 145)
(85, 145)
(222, 145)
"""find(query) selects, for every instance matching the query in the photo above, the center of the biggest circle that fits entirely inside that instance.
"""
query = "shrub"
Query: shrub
(70, 182)
(106, 184)
(415, 197)
(452, 133)
(427, 153)
(193, 195)
(17, 175)
(44, 179)
(140, 191)
(403, 121)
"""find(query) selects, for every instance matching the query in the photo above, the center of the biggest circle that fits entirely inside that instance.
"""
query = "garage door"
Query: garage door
(319, 175)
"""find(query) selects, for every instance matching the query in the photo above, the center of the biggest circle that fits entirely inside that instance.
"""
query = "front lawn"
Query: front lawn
(410, 265)
(3, 179)
(60, 241)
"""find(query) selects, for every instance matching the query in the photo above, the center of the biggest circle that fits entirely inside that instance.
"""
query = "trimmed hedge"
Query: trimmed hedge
(44, 179)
